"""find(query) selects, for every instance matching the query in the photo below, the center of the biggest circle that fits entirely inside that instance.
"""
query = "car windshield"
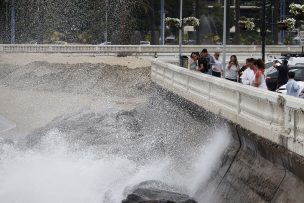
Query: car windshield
(268, 65)
(299, 73)
(273, 74)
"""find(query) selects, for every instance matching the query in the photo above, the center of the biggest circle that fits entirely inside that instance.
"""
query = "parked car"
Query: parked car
(60, 42)
(295, 61)
(170, 40)
(106, 43)
(189, 42)
(144, 42)
(35, 42)
(271, 78)
(283, 90)
(269, 68)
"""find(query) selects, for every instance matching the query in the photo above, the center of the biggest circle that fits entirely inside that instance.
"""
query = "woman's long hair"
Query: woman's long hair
(236, 61)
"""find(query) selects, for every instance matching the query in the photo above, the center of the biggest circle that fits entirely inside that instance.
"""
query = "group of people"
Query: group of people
(287, 77)
(251, 73)
(205, 63)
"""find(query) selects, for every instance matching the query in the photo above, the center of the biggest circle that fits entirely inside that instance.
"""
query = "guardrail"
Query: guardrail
(137, 49)
(276, 117)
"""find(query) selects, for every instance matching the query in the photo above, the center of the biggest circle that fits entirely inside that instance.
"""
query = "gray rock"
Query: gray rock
(156, 192)
(142, 195)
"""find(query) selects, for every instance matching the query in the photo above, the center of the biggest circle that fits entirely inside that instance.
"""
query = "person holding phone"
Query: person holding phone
(217, 68)
(232, 69)
(193, 62)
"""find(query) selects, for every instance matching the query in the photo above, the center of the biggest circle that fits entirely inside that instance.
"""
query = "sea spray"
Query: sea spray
(55, 171)
(100, 155)
(208, 159)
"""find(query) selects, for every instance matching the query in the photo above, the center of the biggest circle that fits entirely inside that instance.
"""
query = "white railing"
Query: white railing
(136, 49)
(276, 117)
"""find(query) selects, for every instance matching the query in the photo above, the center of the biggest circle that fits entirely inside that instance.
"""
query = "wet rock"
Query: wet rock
(142, 195)
(156, 192)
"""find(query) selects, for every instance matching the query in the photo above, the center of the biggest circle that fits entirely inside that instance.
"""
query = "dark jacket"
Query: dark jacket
(283, 75)
(207, 62)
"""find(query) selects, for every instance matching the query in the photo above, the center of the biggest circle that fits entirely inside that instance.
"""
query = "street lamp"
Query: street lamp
(13, 22)
(162, 22)
(272, 8)
(224, 35)
(106, 33)
(263, 29)
(282, 17)
(180, 32)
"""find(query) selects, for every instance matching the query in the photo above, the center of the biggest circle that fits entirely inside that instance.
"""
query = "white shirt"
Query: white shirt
(218, 66)
(248, 76)
(262, 79)
(232, 72)
(292, 88)
(263, 84)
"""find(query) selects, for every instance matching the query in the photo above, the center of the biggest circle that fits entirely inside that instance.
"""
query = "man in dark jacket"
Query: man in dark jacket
(205, 61)
(283, 73)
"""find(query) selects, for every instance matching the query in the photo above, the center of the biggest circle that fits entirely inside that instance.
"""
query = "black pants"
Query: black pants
(279, 84)
(216, 74)
(234, 80)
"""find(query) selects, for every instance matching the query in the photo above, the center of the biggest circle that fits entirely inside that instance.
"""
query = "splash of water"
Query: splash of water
(56, 172)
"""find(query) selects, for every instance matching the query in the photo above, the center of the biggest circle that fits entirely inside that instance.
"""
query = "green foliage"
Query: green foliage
(147, 38)
(213, 38)
(84, 37)
(83, 21)
(56, 36)
(250, 37)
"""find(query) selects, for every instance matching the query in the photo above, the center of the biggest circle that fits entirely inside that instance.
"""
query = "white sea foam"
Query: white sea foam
(56, 172)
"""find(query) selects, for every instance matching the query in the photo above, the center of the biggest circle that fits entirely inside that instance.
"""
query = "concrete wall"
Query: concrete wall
(253, 169)
(275, 117)
(249, 50)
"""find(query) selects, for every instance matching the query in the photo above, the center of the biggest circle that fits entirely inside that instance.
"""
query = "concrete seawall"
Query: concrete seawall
(253, 169)
(262, 171)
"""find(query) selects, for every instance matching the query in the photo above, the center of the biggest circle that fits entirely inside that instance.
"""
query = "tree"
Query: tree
(84, 21)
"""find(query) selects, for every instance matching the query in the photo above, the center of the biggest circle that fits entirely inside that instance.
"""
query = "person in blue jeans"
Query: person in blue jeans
(292, 86)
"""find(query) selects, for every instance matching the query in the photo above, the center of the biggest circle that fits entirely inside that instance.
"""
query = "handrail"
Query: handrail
(276, 117)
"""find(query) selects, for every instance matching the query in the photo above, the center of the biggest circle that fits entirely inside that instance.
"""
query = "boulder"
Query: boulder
(146, 192)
